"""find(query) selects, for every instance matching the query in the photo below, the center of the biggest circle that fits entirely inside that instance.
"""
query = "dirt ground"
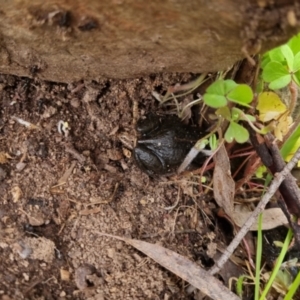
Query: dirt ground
(58, 191)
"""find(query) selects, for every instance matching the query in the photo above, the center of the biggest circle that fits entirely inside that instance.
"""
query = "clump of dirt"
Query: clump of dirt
(65, 177)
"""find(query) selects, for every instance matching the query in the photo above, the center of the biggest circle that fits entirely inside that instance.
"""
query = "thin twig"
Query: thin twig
(70, 149)
(278, 178)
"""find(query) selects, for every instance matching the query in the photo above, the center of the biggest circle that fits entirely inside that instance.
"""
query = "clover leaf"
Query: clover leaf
(282, 64)
(236, 132)
(277, 74)
(241, 94)
(221, 91)
(288, 55)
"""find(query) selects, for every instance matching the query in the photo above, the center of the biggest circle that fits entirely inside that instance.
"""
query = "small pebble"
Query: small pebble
(63, 294)
(75, 102)
(64, 275)
(81, 276)
(20, 166)
(49, 112)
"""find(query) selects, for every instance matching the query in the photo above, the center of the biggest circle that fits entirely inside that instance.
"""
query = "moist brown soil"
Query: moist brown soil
(59, 191)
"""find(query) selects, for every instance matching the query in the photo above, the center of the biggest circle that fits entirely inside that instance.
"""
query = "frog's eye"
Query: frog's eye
(148, 124)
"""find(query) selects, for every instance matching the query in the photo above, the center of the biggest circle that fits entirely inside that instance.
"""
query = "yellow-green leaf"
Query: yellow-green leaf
(283, 125)
(293, 151)
(270, 106)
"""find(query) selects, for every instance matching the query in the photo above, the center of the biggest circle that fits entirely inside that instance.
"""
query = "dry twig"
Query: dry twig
(278, 178)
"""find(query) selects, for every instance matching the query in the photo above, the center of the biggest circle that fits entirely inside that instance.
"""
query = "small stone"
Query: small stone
(64, 275)
(62, 294)
(36, 219)
(111, 253)
(86, 153)
(81, 276)
(143, 202)
(49, 112)
(114, 154)
(75, 102)
(20, 166)
(26, 276)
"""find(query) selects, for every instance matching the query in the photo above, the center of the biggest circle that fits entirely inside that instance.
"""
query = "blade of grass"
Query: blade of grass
(293, 288)
(258, 257)
(239, 285)
(188, 87)
(278, 264)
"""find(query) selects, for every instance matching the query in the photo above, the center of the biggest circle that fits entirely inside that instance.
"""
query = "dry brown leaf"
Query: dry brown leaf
(224, 186)
(86, 212)
(182, 267)
(4, 157)
(64, 275)
(36, 219)
(16, 193)
(271, 218)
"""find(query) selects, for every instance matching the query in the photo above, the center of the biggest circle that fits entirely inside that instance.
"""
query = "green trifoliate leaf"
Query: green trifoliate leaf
(273, 71)
(288, 55)
(280, 82)
(241, 94)
(214, 100)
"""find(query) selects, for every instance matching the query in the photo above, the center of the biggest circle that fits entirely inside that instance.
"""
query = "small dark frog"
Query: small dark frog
(163, 143)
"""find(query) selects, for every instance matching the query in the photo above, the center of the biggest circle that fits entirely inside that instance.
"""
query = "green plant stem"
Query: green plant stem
(244, 116)
(189, 86)
(258, 257)
(189, 105)
(293, 288)
(196, 149)
(278, 264)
